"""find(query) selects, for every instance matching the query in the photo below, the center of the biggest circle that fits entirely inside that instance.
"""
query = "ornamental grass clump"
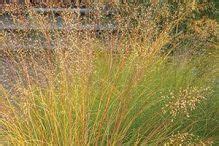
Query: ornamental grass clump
(84, 87)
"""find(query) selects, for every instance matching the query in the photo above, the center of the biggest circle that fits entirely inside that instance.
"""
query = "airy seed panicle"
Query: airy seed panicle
(185, 100)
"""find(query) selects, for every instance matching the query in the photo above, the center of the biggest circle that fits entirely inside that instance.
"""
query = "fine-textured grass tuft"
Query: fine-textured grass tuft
(132, 86)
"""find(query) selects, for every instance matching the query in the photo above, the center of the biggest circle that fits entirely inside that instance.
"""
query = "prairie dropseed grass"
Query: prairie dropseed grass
(66, 86)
